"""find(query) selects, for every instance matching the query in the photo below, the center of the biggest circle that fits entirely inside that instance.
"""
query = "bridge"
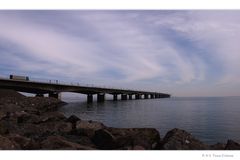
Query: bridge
(54, 89)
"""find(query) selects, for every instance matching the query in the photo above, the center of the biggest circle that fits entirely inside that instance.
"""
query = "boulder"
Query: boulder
(35, 131)
(6, 93)
(34, 126)
(178, 139)
(24, 142)
(55, 127)
(218, 146)
(88, 128)
(73, 119)
(22, 117)
(232, 145)
(148, 138)
(6, 144)
(51, 116)
(103, 139)
(7, 127)
(25, 117)
(2, 115)
(83, 140)
(19, 117)
(60, 143)
(43, 104)
(138, 147)
(9, 108)
(28, 130)
(89, 125)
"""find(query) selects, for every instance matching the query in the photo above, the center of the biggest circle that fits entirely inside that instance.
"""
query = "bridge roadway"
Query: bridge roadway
(54, 90)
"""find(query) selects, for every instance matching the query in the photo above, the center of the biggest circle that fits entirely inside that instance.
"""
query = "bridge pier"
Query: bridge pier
(138, 96)
(54, 95)
(115, 97)
(39, 95)
(166, 96)
(157, 96)
(151, 96)
(89, 98)
(145, 96)
(130, 97)
(123, 97)
(100, 97)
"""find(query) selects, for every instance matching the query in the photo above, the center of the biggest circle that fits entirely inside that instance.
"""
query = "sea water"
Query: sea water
(210, 119)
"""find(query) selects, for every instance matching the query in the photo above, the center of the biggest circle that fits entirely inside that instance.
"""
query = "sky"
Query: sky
(184, 52)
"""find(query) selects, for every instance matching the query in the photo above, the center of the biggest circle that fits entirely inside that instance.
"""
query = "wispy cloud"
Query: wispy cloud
(182, 52)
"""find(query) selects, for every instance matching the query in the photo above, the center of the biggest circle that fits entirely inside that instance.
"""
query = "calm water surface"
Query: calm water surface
(211, 120)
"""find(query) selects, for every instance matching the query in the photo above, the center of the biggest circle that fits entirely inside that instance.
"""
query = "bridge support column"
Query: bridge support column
(137, 96)
(145, 96)
(54, 95)
(130, 97)
(157, 96)
(151, 96)
(100, 97)
(89, 98)
(167, 96)
(123, 97)
(115, 97)
(39, 95)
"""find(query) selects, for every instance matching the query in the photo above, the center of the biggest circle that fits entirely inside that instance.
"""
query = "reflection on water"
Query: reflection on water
(211, 120)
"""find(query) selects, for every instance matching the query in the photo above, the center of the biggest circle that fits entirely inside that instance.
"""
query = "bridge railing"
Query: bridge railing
(60, 82)
(52, 81)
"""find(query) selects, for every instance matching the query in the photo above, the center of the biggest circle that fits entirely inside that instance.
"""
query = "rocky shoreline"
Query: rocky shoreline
(33, 123)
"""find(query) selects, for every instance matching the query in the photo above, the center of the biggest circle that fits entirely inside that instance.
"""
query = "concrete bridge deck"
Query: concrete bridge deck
(54, 90)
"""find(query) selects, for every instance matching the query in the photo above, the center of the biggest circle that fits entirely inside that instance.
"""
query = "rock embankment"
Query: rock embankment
(34, 124)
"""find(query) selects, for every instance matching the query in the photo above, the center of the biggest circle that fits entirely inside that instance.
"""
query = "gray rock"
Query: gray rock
(73, 119)
(178, 139)
(218, 146)
(6, 144)
(89, 125)
(2, 115)
(148, 138)
(7, 127)
(60, 143)
(232, 145)
(42, 104)
(23, 117)
(24, 142)
(55, 127)
(83, 140)
(27, 130)
(103, 139)
(138, 147)
(88, 128)
(6, 93)
(9, 108)
(51, 116)
(35, 131)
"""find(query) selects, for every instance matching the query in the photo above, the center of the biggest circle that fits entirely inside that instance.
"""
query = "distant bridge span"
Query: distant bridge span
(54, 90)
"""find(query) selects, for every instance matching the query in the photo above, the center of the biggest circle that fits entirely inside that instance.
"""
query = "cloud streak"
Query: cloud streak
(183, 52)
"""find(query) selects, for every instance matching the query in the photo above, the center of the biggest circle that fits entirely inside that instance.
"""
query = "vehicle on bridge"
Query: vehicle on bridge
(19, 78)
